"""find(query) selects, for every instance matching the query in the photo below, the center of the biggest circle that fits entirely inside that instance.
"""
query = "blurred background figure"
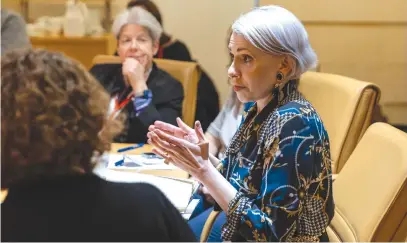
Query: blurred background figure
(54, 129)
(13, 31)
(138, 87)
(224, 127)
(207, 106)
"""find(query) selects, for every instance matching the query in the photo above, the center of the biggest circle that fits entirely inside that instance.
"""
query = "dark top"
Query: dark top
(176, 51)
(166, 104)
(279, 160)
(87, 208)
(207, 106)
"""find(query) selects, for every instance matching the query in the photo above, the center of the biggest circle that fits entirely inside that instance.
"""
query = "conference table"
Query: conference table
(173, 173)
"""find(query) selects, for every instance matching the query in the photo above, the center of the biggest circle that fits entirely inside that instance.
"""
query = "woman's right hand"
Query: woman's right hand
(134, 74)
(183, 131)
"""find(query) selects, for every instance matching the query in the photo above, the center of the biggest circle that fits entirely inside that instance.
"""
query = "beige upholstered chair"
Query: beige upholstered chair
(345, 106)
(370, 192)
(186, 72)
(105, 59)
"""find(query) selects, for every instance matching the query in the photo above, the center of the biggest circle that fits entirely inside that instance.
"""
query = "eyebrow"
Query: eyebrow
(239, 49)
(242, 49)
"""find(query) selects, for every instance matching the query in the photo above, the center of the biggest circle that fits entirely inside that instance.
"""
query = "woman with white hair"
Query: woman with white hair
(138, 87)
(275, 183)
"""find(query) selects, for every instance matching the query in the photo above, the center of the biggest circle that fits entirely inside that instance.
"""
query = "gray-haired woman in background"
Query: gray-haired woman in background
(275, 183)
(137, 86)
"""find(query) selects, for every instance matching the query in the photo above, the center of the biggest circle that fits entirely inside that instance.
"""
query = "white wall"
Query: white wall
(364, 39)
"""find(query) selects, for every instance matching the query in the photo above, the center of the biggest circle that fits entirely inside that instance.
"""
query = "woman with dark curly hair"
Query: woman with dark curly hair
(54, 126)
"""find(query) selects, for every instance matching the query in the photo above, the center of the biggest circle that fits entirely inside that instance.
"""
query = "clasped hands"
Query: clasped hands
(183, 146)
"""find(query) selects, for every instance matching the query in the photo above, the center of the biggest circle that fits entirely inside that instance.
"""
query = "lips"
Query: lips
(237, 88)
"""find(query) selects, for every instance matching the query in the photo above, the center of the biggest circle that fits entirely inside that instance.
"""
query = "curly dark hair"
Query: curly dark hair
(54, 116)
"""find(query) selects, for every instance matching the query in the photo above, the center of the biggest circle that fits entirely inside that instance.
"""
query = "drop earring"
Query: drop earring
(280, 76)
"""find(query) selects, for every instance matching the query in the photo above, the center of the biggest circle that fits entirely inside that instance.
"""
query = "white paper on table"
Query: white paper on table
(141, 161)
(178, 191)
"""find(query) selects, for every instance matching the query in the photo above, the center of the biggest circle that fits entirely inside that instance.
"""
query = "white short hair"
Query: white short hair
(139, 16)
(277, 31)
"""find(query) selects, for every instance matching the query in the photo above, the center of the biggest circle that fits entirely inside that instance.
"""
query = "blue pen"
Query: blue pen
(138, 145)
(120, 162)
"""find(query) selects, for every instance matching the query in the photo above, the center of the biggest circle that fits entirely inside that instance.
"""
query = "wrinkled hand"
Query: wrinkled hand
(134, 73)
(182, 152)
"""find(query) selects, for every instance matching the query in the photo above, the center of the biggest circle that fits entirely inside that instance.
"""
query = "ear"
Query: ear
(156, 46)
(286, 66)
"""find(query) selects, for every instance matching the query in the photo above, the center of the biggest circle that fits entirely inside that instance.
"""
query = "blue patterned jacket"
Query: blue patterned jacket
(280, 161)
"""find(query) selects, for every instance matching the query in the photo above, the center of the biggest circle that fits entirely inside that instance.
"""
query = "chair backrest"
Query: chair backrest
(186, 72)
(105, 59)
(370, 192)
(345, 106)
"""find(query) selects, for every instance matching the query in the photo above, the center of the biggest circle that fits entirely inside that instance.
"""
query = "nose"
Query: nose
(232, 71)
(134, 44)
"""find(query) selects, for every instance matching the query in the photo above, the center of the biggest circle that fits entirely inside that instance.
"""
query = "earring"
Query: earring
(280, 76)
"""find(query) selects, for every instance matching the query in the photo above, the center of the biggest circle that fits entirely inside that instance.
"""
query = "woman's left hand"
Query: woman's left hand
(182, 153)
(190, 158)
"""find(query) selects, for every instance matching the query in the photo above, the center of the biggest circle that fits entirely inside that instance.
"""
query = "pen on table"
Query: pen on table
(120, 162)
(138, 145)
